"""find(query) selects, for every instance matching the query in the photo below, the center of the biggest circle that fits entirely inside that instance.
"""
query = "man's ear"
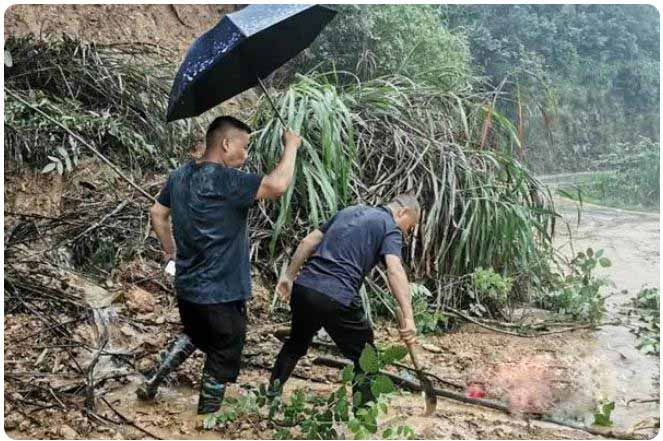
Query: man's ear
(225, 145)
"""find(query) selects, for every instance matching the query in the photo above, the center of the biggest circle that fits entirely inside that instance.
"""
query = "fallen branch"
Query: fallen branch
(89, 390)
(461, 315)
(416, 387)
(102, 220)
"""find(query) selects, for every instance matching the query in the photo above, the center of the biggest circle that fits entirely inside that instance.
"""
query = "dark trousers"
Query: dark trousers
(346, 325)
(219, 330)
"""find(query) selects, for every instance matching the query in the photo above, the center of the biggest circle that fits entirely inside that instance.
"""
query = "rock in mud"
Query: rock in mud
(12, 421)
(140, 300)
(67, 432)
(431, 348)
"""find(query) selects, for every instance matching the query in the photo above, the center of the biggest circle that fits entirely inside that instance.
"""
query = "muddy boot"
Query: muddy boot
(285, 364)
(211, 393)
(364, 389)
(365, 396)
(179, 350)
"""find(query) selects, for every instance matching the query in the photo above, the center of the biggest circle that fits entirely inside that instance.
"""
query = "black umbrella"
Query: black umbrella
(239, 51)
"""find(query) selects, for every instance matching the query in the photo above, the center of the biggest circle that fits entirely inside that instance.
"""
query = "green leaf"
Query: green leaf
(348, 373)
(605, 262)
(369, 360)
(354, 425)
(387, 432)
(342, 408)
(382, 385)
(371, 425)
(209, 422)
(49, 168)
(392, 354)
(602, 418)
(356, 400)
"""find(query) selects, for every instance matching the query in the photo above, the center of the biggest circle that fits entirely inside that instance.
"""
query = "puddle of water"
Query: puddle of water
(615, 367)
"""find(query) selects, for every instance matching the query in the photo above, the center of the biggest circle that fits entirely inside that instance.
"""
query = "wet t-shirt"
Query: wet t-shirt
(209, 205)
(355, 240)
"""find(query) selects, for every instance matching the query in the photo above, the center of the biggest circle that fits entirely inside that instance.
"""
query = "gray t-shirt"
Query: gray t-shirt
(209, 206)
(355, 240)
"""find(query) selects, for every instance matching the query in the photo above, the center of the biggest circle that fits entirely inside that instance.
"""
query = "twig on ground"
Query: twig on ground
(461, 315)
(127, 420)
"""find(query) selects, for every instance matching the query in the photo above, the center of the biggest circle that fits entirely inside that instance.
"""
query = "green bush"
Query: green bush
(578, 292)
(634, 184)
(365, 142)
(489, 292)
(408, 40)
(333, 416)
(648, 307)
(383, 304)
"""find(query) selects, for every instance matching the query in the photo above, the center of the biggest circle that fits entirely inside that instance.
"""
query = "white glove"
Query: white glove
(170, 268)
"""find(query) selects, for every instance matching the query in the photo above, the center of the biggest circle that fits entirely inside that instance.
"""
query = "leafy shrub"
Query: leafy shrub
(648, 307)
(383, 304)
(311, 416)
(634, 184)
(489, 291)
(365, 142)
(377, 40)
(578, 293)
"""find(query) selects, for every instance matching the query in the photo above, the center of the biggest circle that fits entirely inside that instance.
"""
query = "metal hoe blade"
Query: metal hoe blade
(426, 385)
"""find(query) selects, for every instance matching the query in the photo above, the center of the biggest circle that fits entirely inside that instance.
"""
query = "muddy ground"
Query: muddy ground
(559, 375)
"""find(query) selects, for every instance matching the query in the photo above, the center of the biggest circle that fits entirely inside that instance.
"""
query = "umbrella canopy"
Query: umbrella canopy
(241, 49)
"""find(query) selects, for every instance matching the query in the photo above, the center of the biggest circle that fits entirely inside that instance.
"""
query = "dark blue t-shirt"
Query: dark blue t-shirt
(209, 205)
(354, 241)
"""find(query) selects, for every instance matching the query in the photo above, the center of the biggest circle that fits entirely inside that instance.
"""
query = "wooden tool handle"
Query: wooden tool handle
(401, 323)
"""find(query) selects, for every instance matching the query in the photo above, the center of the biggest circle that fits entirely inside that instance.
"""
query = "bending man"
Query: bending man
(325, 294)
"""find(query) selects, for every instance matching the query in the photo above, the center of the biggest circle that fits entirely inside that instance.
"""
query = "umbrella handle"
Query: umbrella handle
(269, 98)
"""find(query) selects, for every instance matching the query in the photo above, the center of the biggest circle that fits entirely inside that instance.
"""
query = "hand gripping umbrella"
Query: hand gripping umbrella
(242, 49)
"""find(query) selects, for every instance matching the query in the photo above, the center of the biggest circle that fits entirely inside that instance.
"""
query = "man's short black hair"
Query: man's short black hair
(221, 123)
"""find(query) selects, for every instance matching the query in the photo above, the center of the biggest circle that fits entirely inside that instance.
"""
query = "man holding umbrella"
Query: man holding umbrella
(208, 201)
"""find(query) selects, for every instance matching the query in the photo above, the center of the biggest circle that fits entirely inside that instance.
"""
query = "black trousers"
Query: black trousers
(312, 310)
(219, 330)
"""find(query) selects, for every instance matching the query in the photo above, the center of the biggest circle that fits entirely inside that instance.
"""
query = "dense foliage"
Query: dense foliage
(633, 182)
(407, 40)
(366, 142)
(587, 75)
(111, 98)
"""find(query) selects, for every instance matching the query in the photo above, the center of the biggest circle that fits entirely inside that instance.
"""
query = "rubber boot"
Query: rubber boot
(179, 350)
(285, 364)
(211, 393)
(364, 389)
